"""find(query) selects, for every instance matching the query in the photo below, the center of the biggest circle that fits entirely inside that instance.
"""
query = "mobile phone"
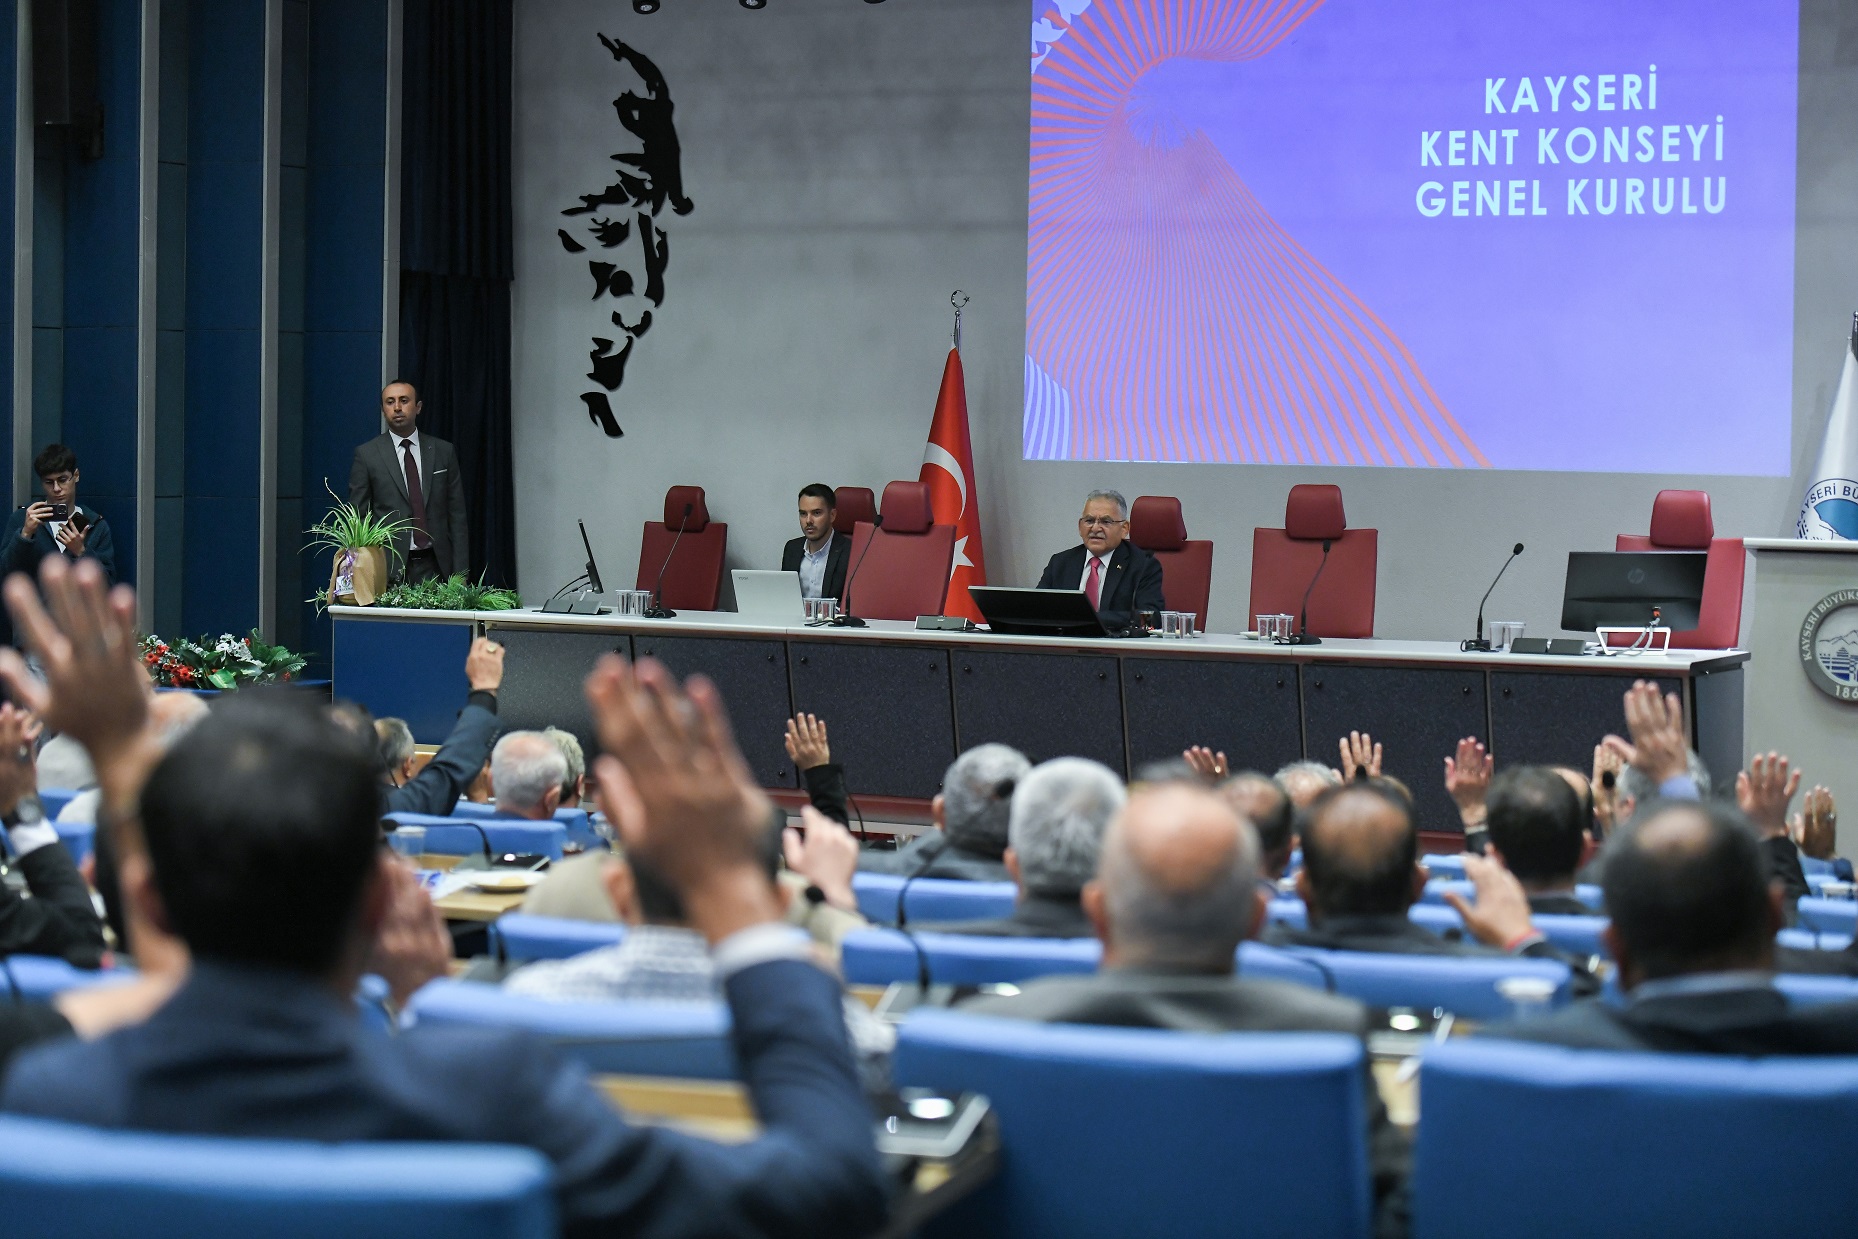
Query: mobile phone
(60, 511)
(80, 522)
(1608, 779)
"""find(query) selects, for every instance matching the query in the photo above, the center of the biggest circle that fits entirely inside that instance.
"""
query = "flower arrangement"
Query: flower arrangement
(456, 594)
(223, 663)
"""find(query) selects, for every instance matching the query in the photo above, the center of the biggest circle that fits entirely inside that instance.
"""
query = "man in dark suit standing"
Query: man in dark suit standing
(414, 477)
(1117, 576)
(819, 555)
(53, 524)
(1695, 908)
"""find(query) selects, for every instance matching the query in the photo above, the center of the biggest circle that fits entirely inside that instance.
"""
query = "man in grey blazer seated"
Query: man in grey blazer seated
(405, 475)
(1176, 892)
(970, 814)
(1054, 833)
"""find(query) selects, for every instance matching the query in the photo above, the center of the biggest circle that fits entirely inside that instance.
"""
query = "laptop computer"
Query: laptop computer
(768, 597)
(1037, 612)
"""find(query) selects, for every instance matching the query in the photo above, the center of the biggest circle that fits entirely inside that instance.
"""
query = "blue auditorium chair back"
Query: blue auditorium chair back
(1828, 916)
(932, 899)
(1112, 1132)
(1535, 1141)
(1464, 985)
(1437, 887)
(78, 837)
(519, 938)
(881, 956)
(39, 977)
(450, 837)
(578, 820)
(1444, 864)
(1813, 991)
(53, 800)
(59, 1179)
(688, 1039)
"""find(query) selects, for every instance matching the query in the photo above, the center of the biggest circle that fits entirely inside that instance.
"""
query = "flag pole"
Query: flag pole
(959, 299)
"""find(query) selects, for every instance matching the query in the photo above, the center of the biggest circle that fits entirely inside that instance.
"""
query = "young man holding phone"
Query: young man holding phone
(55, 524)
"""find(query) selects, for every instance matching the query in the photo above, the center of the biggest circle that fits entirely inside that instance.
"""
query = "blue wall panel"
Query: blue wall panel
(220, 577)
(412, 671)
(9, 25)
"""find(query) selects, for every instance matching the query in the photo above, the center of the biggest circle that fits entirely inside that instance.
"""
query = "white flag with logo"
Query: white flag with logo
(1830, 510)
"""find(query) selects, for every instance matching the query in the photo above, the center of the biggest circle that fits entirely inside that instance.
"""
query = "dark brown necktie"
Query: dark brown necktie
(422, 539)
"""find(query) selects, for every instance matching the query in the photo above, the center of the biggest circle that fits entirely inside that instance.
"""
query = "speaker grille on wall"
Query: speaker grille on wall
(64, 70)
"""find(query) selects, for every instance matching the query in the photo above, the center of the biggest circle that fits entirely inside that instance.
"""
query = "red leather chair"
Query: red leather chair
(693, 580)
(1284, 561)
(1157, 526)
(905, 572)
(1681, 521)
(856, 503)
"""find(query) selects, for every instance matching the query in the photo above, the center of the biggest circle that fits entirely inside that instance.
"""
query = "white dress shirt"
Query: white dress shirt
(813, 568)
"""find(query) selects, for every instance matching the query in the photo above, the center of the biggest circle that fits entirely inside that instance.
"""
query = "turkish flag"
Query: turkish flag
(948, 469)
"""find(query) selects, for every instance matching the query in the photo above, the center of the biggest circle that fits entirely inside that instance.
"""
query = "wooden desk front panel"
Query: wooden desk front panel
(887, 712)
(1247, 710)
(1044, 705)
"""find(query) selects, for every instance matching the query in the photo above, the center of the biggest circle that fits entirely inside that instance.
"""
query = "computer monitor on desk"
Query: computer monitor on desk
(1037, 612)
(1621, 589)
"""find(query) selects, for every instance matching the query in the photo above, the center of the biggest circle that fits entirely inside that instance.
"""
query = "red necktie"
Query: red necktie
(1093, 586)
(416, 498)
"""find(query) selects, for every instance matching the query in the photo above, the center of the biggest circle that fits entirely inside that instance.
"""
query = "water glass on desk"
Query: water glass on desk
(408, 841)
(1503, 633)
(820, 610)
(632, 601)
(1177, 624)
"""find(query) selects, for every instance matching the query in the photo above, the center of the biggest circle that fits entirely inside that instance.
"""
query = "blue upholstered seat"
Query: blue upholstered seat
(1463, 985)
(449, 837)
(519, 938)
(1115, 1132)
(59, 1179)
(38, 977)
(883, 956)
(577, 820)
(53, 799)
(1828, 916)
(78, 837)
(932, 899)
(631, 1038)
(1604, 1144)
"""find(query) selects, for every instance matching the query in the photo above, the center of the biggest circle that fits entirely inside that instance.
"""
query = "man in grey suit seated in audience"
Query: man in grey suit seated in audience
(1059, 813)
(1538, 831)
(527, 770)
(971, 821)
(1695, 910)
(1176, 891)
(1361, 874)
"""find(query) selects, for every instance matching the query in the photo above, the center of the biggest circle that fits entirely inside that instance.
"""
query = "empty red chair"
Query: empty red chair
(693, 579)
(855, 503)
(1681, 521)
(904, 572)
(1157, 526)
(1284, 561)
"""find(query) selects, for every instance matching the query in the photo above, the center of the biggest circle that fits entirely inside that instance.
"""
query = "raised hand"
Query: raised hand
(484, 665)
(678, 792)
(95, 688)
(1501, 915)
(412, 945)
(18, 770)
(1361, 757)
(825, 854)
(1764, 791)
(1818, 825)
(806, 742)
(72, 539)
(1660, 744)
(1606, 761)
(1467, 779)
(1206, 763)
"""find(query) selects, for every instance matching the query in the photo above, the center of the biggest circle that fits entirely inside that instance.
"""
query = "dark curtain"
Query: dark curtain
(455, 259)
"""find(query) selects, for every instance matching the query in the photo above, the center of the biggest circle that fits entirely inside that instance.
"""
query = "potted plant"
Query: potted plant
(456, 594)
(361, 542)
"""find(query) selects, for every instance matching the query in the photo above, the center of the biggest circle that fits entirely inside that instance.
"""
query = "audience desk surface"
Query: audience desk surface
(901, 702)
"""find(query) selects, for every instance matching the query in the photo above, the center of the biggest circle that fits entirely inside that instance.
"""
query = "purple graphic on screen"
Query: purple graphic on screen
(1547, 234)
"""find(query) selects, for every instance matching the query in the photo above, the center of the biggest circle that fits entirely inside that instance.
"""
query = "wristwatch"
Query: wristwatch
(28, 812)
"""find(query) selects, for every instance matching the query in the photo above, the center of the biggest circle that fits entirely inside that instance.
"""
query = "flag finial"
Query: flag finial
(959, 299)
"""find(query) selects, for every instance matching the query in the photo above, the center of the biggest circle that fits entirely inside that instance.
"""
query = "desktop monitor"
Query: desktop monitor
(593, 571)
(1618, 589)
(1037, 612)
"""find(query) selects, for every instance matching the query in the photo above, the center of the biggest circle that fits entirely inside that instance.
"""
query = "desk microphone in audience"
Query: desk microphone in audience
(848, 620)
(1477, 641)
(658, 609)
(1302, 635)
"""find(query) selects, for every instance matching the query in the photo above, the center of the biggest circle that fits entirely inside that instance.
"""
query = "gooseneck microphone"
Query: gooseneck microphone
(1302, 635)
(658, 609)
(847, 619)
(1477, 641)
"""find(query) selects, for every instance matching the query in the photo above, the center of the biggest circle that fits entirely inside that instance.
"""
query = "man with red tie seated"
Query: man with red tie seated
(1119, 577)
(409, 476)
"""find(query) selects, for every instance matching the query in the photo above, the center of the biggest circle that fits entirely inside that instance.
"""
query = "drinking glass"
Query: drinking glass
(409, 841)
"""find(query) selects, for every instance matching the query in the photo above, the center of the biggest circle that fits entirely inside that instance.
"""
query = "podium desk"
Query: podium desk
(901, 703)
(1798, 599)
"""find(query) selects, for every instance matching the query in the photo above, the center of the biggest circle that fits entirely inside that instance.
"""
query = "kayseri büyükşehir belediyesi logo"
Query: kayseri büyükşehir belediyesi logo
(1829, 511)
(1829, 645)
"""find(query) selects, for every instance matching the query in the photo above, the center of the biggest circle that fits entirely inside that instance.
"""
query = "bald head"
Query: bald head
(1688, 889)
(1360, 853)
(1177, 884)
